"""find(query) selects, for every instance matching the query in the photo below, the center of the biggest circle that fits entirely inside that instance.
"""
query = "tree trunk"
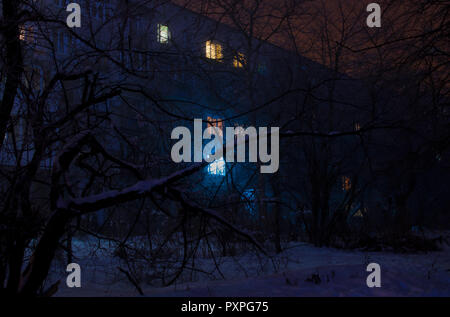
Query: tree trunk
(45, 252)
(13, 63)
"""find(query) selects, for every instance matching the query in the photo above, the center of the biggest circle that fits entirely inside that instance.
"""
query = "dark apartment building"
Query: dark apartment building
(172, 65)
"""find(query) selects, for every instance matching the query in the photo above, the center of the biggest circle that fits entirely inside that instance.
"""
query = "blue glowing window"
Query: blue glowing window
(217, 167)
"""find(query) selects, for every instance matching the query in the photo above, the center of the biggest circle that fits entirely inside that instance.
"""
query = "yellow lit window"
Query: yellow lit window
(213, 50)
(22, 33)
(357, 126)
(163, 34)
(346, 183)
(26, 33)
(218, 123)
(239, 60)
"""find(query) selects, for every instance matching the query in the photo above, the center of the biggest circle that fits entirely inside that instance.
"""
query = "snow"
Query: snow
(342, 273)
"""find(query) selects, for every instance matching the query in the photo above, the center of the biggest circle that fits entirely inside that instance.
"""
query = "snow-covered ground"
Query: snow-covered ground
(342, 273)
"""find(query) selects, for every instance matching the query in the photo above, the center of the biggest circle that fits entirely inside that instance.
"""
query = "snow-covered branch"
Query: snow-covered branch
(138, 190)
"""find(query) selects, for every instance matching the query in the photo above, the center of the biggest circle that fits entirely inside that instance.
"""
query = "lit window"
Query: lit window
(239, 60)
(218, 123)
(357, 126)
(217, 167)
(26, 33)
(346, 183)
(213, 50)
(163, 34)
(22, 34)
